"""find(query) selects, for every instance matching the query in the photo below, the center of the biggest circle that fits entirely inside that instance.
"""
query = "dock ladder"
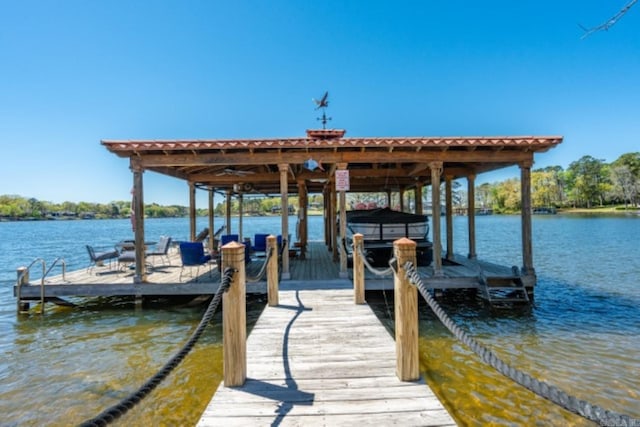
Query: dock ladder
(503, 290)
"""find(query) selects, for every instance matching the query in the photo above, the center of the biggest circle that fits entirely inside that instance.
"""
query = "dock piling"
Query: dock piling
(406, 313)
(358, 269)
(272, 271)
(234, 317)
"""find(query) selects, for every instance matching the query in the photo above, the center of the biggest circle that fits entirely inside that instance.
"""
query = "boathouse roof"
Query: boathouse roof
(374, 163)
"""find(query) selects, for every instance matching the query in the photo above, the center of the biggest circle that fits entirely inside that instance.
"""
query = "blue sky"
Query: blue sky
(75, 72)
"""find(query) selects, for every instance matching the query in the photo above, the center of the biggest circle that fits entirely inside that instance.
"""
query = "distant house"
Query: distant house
(276, 210)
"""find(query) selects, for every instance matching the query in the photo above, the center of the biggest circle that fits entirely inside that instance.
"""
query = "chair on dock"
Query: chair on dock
(192, 255)
(161, 249)
(126, 258)
(228, 238)
(259, 242)
(99, 257)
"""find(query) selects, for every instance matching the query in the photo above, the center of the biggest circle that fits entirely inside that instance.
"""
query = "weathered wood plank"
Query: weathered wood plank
(319, 359)
(409, 419)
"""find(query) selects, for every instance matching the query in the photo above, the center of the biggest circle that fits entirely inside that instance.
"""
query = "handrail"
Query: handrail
(24, 273)
(53, 264)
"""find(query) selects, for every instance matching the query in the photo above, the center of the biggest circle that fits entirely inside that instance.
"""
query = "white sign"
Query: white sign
(342, 180)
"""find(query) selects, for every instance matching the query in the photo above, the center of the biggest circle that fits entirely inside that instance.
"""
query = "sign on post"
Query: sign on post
(342, 180)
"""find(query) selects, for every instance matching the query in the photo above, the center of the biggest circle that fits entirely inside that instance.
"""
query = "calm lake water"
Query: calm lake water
(582, 334)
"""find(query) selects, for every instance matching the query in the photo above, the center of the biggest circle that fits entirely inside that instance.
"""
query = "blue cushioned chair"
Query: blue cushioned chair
(227, 238)
(192, 255)
(260, 242)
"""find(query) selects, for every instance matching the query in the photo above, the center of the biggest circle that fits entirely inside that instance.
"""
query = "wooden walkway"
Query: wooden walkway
(318, 359)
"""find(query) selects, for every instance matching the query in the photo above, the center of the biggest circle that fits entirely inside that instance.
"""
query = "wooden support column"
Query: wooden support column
(471, 215)
(401, 196)
(234, 317)
(326, 196)
(212, 247)
(418, 192)
(406, 314)
(272, 271)
(333, 219)
(140, 274)
(525, 201)
(343, 227)
(302, 218)
(436, 171)
(448, 179)
(358, 269)
(389, 198)
(192, 212)
(228, 213)
(240, 217)
(284, 202)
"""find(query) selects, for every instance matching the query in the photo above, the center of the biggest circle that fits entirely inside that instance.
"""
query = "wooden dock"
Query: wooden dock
(318, 359)
(318, 266)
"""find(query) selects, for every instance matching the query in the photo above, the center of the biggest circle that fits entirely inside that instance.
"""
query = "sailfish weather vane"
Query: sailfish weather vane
(323, 103)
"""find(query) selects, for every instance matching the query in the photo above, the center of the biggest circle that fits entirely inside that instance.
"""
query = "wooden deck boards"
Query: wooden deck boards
(318, 268)
(318, 359)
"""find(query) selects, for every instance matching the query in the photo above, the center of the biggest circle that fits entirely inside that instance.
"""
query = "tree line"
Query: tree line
(18, 207)
(586, 183)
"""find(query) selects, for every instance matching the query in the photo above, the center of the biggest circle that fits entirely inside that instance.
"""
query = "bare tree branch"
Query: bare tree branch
(610, 22)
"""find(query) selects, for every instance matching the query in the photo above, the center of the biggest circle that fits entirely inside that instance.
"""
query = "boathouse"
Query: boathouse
(326, 162)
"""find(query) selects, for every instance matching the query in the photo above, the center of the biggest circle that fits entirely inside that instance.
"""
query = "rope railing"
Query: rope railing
(541, 388)
(114, 412)
(263, 268)
(378, 272)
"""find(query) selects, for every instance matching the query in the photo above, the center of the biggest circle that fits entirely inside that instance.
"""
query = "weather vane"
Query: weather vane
(323, 103)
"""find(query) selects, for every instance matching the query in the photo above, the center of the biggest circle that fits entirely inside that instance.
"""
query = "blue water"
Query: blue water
(582, 334)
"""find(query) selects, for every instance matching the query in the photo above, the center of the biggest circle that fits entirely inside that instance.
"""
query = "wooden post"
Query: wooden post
(406, 308)
(140, 275)
(343, 228)
(326, 196)
(212, 242)
(418, 193)
(525, 202)
(303, 216)
(192, 211)
(449, 214)
(234, 317)
(333, 222)
(358, 269)
(284, 203)
(471, 215)
(436, 171)
(240, 216)
(272, 271)
(227, 213)
(23, 279)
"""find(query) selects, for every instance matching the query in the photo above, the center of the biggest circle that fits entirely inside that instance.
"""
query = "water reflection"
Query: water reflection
(562, 339)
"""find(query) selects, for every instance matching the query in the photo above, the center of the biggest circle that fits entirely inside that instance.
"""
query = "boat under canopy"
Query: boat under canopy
(381, 227)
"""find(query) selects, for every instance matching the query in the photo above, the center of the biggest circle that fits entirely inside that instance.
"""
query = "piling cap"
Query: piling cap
(403, 241)
(233, 245)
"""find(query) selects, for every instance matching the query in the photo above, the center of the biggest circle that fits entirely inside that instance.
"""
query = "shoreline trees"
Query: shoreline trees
(586, 183)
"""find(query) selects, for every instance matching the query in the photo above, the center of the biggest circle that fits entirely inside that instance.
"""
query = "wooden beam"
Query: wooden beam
(356, 157)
